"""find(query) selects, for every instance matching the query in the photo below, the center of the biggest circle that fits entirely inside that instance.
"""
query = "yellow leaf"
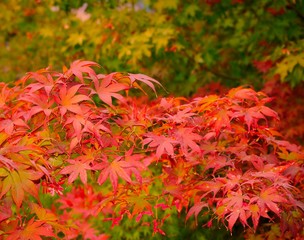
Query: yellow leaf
(46, 32)
(76, 38)
(124, 52)
(43, 214)
(287, 65)
(172, 4)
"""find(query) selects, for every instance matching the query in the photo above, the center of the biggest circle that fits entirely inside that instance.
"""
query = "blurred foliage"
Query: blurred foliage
(184, 44)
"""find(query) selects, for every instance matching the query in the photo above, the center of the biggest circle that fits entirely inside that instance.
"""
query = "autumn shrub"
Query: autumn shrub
(80, 156)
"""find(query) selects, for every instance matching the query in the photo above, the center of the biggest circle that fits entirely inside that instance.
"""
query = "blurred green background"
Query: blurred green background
(184, 44)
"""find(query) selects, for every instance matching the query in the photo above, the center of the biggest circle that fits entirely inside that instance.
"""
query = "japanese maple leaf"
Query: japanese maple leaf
(85, 123)
(235, 203)
(196, 209)
(181, 116)
(250, 115)
(9, 124)
(20, 182)
(43, 80)
(268, 172)
(86, 231)
(243, 93)
(188, 139)
(69, 100)
(5, 209)
(78, 121)
(34, 230)
(256, 161)
(268, 112)
(117, 168)
(205, 103)
(140, 205)
(47, 216)
(221, 120)
(161, 143)
(4, 94)
(177, 173)
(77, 167)
(210, 186)
(97, 129)
(41, 102)
(217, 162)
(255, 214)
(145, 79)
(7, 162)
(268, 200)
(106, 88)
(79, 67)
(232, 181)
(123, 78)
(135, 160)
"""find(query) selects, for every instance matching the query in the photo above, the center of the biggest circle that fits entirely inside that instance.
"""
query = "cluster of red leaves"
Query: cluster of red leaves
(74, 135)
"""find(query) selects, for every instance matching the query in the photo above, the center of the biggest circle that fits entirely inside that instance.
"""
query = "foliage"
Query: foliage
(79, 157)
(186, 44)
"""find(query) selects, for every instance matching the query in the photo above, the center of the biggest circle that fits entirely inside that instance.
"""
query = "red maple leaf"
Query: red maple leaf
(41, 102)
(236, 206)
(10, 123)
(4, 94)
(221, 120)
(97, 129)
(181, 116)
(5, 209)
(243, 93)
(106, 88)
(255, 214)
(161, 143)
(79, 67)
(217, 162)
(196, 209)
(33, 230)
(252, 115)
(44, 80)
(78, 122)
(77, 167)
(188, 139)
(117, 168)
(69, 100)
(268, 200)
(145, 79)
